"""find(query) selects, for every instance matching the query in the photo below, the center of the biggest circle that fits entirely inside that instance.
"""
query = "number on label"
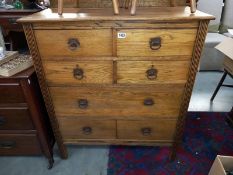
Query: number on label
(121, 35)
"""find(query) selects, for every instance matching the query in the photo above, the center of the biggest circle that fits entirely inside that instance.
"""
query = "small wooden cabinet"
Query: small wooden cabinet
(117, 79)
(24, 125)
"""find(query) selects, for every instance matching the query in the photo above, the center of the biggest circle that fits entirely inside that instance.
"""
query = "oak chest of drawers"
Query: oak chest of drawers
(117, 79)
(24, 124)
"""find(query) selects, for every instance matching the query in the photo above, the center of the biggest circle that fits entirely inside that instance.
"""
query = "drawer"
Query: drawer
(74, 42)
(152, 72)
(19, 144)
(72, 128)
(15, 119)
(156, 42)
(78, 72)
(10, 23)
(11, 93)
(161, 130)
(158, 101)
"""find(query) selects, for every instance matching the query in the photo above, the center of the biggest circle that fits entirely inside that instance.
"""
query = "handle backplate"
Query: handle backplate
(7, 144)
(155, 43)
(146, 131)
(152, 73)
(87, 130)
(73, 44)
(83, 103)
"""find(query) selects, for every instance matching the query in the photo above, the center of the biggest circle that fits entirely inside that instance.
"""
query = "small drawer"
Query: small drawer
(11, 93)
(15, 119)
(78, 72)
(156, 101)
(159, 129)
(74, 42)
(156, 42)
(10, 23)
(152, 72)
(19, 144)
(72, 128)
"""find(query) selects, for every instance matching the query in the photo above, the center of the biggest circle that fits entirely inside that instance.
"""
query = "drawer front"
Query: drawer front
(156, 42)
(161, 130)
(117, 101)
(72, 128)
(19, 144)
(152, 72)
(11, 93)
(78, 72)
(74, 42)
(15, 119)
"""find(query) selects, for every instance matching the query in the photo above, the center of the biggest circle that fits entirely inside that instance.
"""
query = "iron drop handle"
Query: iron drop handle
(155, 43)
(83, 103)
(7, 144)
(87, 130)
(73, 44)
(148, 102)
(152, 73)
(78, 73)
(146, 131)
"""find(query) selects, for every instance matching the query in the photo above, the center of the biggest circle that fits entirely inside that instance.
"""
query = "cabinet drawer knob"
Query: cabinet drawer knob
(155, 43)
(149, 102)
(87, 130)
(78, 73)
(152, 73)
(146, 131)
(7, 144)
(83, 103)
(2, 121)
(73, 44)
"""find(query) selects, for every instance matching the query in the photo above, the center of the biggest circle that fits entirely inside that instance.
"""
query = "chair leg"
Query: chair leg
(219, 85)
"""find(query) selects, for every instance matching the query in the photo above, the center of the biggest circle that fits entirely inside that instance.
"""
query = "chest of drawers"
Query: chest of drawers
(24, 124)
(117, 79)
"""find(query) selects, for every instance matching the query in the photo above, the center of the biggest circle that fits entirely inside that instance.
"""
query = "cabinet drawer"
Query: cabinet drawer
(117, 101)
(152, 72)
(15, 119)
(78, 72)
(156, 42)
(74, 42)
(72, 128)
(19, 144)
(11, 93)
(161, 130)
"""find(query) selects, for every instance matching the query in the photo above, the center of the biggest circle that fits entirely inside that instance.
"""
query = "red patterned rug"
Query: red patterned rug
(205, 136)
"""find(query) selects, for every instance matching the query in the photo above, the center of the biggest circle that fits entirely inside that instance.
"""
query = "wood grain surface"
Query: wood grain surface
(165, 14)
(15, 118)
(92, 42)
(134, 72)
(118, 102)
(72, 128)
(173, 42)
(22, 144)
(159, 129)
(94, 72)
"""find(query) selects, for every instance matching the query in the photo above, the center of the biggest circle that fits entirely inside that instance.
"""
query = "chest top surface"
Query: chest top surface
(155, 13)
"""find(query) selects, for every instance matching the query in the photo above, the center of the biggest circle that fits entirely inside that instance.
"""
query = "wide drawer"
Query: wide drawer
(74, 42)
(11, 93)
(156, 101)
(152, 72)
(78, 72)
(15, 119)
(19, 144)
(155, 42)
(72, 128)
(159, 129)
